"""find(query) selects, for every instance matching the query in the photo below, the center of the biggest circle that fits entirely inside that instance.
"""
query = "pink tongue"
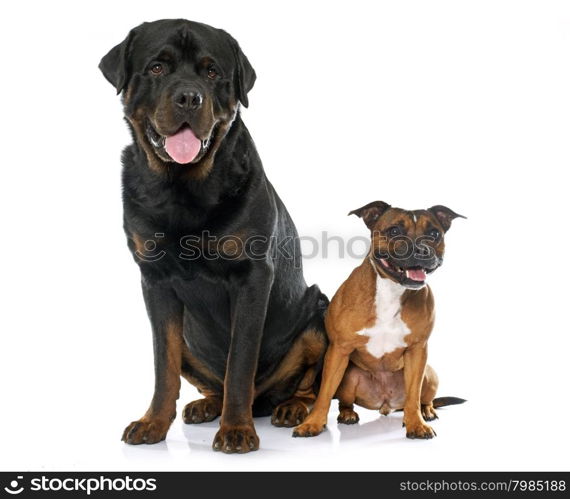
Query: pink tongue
(416, 275)
(183, 146)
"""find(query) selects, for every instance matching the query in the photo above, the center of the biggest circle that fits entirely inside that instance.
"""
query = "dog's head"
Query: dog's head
(406, 245)
(182, 83)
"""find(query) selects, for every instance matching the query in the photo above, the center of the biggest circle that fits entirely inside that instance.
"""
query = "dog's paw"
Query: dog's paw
(419, 430)
(347, 416)
(240, 439)
(149, 431)
(202, 410)
(308, 430)
(289, 414)
(428, 412)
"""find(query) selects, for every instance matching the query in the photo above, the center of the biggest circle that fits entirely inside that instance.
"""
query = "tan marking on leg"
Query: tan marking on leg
(307, 350)
(202, 371)
(203, 410)
(167, 407)
(139, 243)
(154, 425)
(210, 407)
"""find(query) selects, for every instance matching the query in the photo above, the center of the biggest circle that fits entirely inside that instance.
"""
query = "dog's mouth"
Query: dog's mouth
(182, 147)
(411, 277)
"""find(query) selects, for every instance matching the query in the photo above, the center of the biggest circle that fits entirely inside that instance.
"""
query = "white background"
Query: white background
(415, 103)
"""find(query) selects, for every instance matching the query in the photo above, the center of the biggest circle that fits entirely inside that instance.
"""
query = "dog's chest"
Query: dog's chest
(389, 330)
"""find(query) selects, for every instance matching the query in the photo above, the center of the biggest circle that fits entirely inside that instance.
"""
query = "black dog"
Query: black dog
(218, 252)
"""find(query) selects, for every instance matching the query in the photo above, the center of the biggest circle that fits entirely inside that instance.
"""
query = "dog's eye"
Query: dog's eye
(156, 69)
(394, 231)
(212, 72)
(434, 234)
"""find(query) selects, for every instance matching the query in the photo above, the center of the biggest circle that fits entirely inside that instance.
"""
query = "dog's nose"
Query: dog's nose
(423, 250)
(188, 99)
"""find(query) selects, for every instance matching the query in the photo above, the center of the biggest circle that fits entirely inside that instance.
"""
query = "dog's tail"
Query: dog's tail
(443, 401)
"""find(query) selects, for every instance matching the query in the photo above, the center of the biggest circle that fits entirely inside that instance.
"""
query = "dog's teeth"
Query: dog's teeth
(156, 143)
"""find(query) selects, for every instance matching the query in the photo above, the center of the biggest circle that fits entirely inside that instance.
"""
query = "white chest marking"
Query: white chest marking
(388, 333)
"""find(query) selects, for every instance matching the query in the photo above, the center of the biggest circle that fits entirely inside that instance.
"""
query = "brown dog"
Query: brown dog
(379, 322)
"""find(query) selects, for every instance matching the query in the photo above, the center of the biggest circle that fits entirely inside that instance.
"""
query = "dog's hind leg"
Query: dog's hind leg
(347, 414)
(429, 389)
(299, 367)
(346, 395)
(210, 407)
(203, 410)
(293, 412)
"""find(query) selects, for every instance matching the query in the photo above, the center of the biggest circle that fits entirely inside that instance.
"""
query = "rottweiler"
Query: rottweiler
(218, 253)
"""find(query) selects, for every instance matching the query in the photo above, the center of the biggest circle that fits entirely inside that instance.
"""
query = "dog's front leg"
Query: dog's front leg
(250, 296)
(165, 312)
(415, 360)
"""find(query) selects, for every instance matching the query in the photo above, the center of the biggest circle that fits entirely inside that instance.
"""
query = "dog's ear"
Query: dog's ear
(244, 74)
(444, 215)
(371, 212)
(114, 65)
